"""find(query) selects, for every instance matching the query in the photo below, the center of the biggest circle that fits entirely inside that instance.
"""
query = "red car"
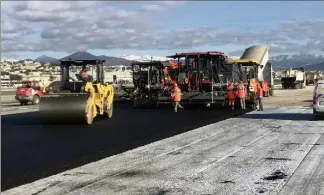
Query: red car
(29, 91)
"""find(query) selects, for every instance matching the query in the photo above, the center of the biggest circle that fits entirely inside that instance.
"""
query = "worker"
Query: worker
(176, 96)
(83, 74)
(259, 94)
(231, 95)
(241, 94)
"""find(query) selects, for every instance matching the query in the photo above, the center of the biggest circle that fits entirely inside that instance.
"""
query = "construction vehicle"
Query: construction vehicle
(294, 78)
(196, 75)
(77, 101)
(29, 91)
(148, 80)
(311, 78)
(253, 67)
(264, 71)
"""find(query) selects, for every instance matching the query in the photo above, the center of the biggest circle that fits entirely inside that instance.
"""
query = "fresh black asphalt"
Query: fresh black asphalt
(31, 151)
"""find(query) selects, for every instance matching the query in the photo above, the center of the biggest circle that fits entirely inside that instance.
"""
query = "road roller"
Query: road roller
(79, 98)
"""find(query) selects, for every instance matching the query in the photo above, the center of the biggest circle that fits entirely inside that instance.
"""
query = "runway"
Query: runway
(32, 151)
(277, 151)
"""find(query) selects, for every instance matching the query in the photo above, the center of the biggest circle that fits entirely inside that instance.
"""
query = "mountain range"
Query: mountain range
(309, 61)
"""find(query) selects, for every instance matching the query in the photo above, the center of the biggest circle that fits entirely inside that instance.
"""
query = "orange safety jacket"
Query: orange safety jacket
(230, 92)
(259, 91)
(241, 91)
(176, 95)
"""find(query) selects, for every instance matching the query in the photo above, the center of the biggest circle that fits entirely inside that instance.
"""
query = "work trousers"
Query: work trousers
(242, 102)
(260, 103)
(176, 106)
(231, 102)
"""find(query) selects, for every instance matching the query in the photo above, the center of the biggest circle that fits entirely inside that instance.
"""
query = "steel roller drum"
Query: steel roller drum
(55, 109)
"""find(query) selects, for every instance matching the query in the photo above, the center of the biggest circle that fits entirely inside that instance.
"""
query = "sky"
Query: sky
(30, 29)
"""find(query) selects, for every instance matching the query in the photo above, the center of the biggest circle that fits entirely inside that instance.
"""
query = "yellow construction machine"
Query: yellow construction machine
(77, 100)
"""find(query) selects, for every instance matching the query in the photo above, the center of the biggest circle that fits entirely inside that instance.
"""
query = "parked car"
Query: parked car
(318, 99)
(29, 91)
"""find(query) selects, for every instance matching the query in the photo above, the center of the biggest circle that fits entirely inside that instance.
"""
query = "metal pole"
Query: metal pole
(212, 82)
(148, 77)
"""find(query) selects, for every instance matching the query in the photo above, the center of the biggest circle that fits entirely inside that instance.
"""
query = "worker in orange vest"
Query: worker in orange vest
(176, 97)
(259, 94)
(231, 95)
(242, 94)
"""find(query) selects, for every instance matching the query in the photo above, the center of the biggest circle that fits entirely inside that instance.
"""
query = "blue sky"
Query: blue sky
(155, 27)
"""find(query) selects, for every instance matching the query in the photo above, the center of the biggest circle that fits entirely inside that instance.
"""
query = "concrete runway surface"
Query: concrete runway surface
(31, 151)
(277, 151)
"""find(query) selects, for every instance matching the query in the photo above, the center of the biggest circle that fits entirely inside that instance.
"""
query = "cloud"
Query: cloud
(79, 25)
(153, 8)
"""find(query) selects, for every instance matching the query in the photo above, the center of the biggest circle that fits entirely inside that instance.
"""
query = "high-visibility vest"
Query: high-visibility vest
(230, 92)
(176, 94)
(241, 91)
(259, 91)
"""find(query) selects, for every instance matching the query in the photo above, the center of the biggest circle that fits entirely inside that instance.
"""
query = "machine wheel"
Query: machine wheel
(23, 103)
(36, 100)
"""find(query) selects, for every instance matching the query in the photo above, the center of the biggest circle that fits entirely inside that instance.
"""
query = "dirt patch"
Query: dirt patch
(132, 173)
(175, 153)
(44, 189)
(277, 159)
(227, 181)
(275, 176)
(261, 191)
(292, 143)
(300, 97)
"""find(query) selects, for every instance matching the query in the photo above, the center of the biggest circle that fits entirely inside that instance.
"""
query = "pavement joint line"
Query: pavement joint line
(163, 154)
(301, 159)
(238, 149)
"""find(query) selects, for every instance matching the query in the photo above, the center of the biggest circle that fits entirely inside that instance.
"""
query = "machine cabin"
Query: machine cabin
(199, 70)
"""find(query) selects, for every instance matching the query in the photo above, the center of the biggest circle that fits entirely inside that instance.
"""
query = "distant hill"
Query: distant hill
(115, 60)
(21, 61)
(46, 59)
(81, 56)
(88, 56)
(319, 66)
(298, 60)
(309, 61)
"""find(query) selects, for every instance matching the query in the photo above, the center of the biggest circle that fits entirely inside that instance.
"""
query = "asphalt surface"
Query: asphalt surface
(276, 151)
(32, 151)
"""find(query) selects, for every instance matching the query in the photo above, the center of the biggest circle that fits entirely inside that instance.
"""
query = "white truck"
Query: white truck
(294, 78)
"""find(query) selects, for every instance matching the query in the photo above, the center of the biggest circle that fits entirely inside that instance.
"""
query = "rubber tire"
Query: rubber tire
(35, 100)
